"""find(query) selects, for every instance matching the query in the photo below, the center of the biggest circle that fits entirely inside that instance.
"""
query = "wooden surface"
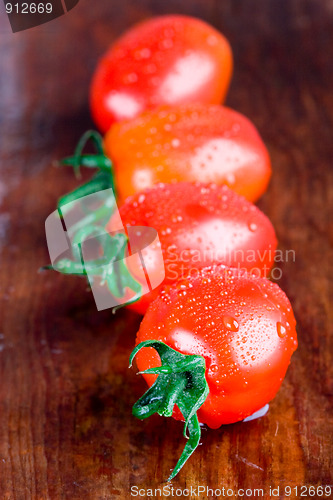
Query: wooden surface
(66, 429)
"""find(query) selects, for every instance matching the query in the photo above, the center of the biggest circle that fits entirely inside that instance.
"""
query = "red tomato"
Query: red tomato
(189, 143)
(199, 225)
(243, 327)
(166, 60)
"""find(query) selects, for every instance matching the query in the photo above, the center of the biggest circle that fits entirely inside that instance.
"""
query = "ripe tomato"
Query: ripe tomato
(195, 142)
(199, 225)
(165, 60)
(244, 328)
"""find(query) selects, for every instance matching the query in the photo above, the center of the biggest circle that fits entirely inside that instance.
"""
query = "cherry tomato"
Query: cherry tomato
(199, 225)
(166, 60)
(242, 325)
(195, 142)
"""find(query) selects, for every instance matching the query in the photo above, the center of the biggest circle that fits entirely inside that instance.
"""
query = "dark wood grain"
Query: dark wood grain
(66, 430)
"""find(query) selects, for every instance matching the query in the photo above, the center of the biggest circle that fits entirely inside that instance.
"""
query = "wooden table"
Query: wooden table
(66, 429)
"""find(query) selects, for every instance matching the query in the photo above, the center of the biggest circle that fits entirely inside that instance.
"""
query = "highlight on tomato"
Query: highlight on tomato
(213, 349)
(193, 142)
(170, 60)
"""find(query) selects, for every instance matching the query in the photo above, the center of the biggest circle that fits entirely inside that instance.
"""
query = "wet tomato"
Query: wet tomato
(166, 60)
(216, 347)
(189, 143)
(199, 225)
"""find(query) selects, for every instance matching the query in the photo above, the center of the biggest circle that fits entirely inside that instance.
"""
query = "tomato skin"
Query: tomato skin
(200, 225)
(194, 142)
(243, 326)
(168, 60)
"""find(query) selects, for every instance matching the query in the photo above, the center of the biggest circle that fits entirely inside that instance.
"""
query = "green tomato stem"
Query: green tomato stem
(99, 182)
(117, 277)
(104, 178)
(89, 161)
(78, 159)
(181, 381)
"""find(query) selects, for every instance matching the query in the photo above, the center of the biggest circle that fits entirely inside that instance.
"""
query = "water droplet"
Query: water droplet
(131, 78)
(212, 40)
(182, 285)
(230, 323)
(281, 330)
(142, 54)
(165, 230)
(253, 226)
(167, 43)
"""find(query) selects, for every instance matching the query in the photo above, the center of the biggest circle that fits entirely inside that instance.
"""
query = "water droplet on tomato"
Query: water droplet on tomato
(230, 323)
(144, 53)
(253, 226)
(213, 368)
(131, 78)
(182, 285)
(167, 43)
(212, 40)
(165, 230)
(281, 330)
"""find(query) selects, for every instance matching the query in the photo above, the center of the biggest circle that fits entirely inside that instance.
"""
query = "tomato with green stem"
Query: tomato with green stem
(214, 349)
(198, 225)
(193, 142)
(169, 60)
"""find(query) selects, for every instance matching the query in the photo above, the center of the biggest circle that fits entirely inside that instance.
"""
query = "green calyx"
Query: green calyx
(92, 224)
(98, 160)
(103, 179)
(181, 381)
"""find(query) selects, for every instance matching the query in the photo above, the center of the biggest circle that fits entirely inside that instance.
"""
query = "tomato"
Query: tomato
(199, 225)
(195, 142)
(166, 60)
(241, 324)
(243, 328)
